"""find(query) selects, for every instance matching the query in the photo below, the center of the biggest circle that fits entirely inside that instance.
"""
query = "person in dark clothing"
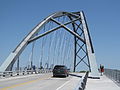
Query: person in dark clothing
(101, 69)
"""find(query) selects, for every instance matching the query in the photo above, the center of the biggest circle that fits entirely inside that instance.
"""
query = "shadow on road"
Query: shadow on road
(75, 75)
(58, 77)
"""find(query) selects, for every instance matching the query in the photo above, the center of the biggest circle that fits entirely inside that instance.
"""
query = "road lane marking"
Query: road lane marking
(24, 83)
(62, 85)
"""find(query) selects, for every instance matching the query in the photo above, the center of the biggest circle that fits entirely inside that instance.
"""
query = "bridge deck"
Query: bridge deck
(47, 82)
(103, 83)
(39, 82)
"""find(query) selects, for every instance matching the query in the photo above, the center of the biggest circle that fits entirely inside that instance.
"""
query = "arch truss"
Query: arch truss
(82, 40)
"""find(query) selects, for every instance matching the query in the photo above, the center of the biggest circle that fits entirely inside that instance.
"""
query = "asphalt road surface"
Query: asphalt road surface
(39, 82)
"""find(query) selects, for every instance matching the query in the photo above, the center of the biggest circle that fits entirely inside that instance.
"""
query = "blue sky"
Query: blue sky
(18, 17)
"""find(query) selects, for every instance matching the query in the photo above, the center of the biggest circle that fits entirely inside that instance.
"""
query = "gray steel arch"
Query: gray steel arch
(74, 16)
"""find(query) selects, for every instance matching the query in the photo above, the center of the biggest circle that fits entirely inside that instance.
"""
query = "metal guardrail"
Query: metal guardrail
(113, 74)
(23, 72)
(82, 83)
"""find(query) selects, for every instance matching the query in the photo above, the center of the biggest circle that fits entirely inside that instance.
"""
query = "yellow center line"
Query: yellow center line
(24, 83)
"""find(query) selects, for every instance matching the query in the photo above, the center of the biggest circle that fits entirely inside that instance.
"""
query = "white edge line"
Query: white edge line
(63, 85)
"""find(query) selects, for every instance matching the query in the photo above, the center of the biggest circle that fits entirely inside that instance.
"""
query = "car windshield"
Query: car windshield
(59, 67)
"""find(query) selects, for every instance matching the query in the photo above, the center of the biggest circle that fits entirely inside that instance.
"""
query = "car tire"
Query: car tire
(53, 75)
(66, 75)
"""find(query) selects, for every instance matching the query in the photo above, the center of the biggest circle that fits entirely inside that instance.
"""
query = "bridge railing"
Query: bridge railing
(82, 84)
(23, 72)
(113, 74)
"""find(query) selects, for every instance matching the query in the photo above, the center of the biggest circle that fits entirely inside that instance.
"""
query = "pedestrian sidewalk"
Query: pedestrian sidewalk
(104, 83)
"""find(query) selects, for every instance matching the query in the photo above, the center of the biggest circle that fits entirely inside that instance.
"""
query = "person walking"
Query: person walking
(101, 69)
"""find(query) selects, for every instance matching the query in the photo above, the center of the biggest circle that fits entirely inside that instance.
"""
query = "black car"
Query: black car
(60, 70)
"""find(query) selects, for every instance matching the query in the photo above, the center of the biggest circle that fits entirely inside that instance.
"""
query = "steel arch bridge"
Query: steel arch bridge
(79, 30)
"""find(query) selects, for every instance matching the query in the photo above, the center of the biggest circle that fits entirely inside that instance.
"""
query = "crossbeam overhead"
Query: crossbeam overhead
(72, 32)
(47, 32)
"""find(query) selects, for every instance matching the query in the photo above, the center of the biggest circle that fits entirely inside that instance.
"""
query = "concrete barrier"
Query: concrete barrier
(82, 83)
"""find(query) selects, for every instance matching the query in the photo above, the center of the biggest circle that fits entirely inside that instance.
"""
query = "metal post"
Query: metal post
(75, 49)
(32, 54)
(18, 64)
